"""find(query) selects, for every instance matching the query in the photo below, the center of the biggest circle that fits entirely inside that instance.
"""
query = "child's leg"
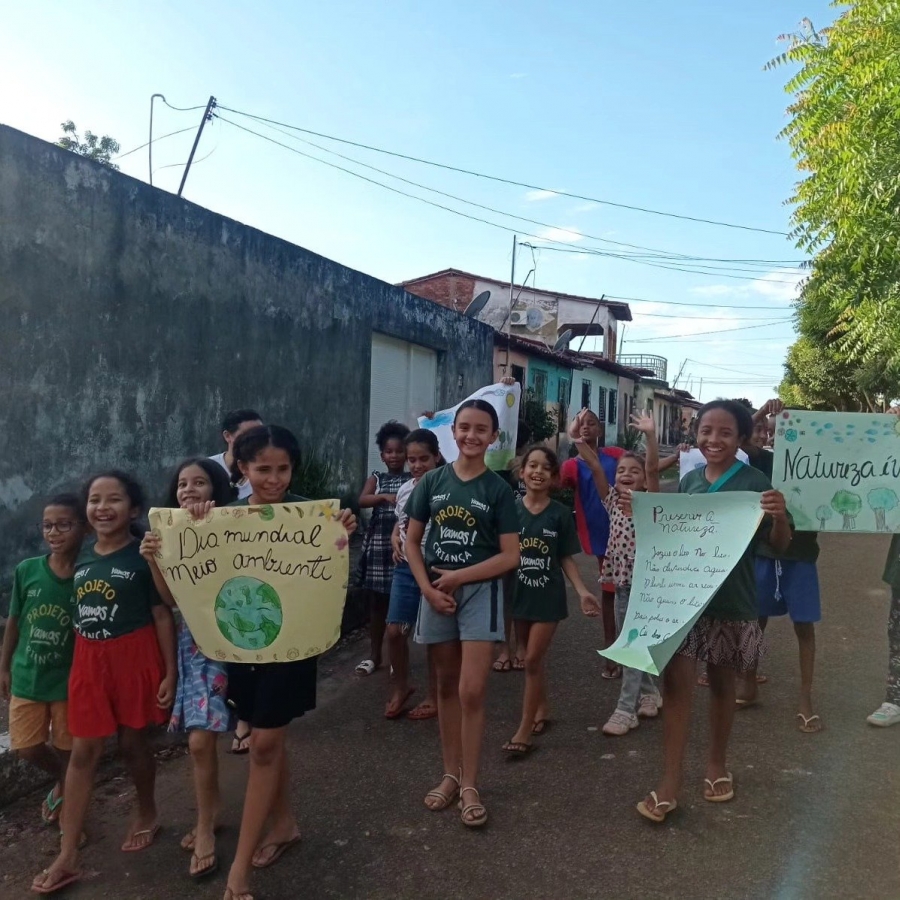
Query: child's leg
(377, 623)
(678, 694)
(283, 827)
(893, 680)
(631, 678)
(447, 658)
(205, 759)
(86, 753)
(721, 718)
(398, 657)
(263, 785)
(473, 674)
(806, 642)
(135, 749)
(536, 644)
(510, 645)
(746, 684)
(608, 617)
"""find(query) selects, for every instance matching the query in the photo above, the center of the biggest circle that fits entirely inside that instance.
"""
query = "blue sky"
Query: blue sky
(657, 104)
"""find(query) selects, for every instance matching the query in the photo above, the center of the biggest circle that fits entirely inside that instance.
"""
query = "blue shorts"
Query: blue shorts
(788, 587)
(405, 596)
(478, 616)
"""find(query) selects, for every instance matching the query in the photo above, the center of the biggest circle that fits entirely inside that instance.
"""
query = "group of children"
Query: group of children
(92, 648)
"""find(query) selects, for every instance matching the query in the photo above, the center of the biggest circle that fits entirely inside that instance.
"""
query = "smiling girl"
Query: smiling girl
(474, 539)
(123, 671)
(727, 635)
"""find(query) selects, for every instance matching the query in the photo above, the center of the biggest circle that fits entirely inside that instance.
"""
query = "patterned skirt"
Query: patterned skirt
(200, 698)
(735, 645)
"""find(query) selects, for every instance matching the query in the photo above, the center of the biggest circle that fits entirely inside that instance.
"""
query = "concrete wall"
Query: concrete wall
(132, 320)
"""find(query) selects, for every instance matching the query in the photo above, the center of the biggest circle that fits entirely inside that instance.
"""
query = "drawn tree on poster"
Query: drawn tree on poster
(881, 502)
(849, 505)
(823, 514)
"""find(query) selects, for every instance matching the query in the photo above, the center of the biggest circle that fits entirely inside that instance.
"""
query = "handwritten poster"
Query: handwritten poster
(839, 471)
(694, 459)
(686, 546)
(505, 399)
(257, 584)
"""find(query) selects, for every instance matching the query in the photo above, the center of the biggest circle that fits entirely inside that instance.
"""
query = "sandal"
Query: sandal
(811, 725)
(230, 894)
(50, 807)
(66, 878)
(612, 674)
(241, 743)
(444, 800)
(661, 808)
(711, 796)
(473, 815)
(204, 871)
(541, 726)
(151, 836)
(424, 710)
(400, 708)
(517, 748)
(366, 667)
(518, 665)
(279, 848)
(502, 665)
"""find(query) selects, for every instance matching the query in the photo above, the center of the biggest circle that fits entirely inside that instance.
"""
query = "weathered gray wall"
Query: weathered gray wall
(131, 320)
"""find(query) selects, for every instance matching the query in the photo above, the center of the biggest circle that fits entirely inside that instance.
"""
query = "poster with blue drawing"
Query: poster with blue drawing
(505, 399)
(839, 471)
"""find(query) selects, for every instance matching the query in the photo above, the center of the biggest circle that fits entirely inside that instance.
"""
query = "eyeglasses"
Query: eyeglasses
(61, 527)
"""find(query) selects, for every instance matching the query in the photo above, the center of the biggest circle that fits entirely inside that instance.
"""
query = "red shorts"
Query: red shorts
(114, 682)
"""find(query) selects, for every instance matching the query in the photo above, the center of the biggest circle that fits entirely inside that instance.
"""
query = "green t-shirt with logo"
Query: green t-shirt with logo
(114, 593)
(43, 604)
(539, 592)
(892, 564)
(467, 517)
(736, 599)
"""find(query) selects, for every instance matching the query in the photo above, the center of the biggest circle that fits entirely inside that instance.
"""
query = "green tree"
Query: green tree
(99, 149)
(540, 421)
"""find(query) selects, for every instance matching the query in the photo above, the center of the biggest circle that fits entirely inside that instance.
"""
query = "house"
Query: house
(522, 311)
(608, 389)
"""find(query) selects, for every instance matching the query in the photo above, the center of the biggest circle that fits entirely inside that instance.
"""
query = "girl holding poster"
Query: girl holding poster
(727, 636)
(473, 541)
(201, 706)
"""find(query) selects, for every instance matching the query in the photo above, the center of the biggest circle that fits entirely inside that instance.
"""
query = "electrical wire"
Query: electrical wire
(670, 337)
(162, 137)
(181, 164)
(531, 187)
(181, 108)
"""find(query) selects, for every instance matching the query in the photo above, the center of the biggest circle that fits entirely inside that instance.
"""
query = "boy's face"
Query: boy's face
(62, 528)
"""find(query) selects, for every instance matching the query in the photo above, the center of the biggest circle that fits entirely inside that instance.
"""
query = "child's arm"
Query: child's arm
(442, 601)
(149, 548)
(772, 503)
(647, 427)
(10, 642)
(593, 462)
(165, 635)
(506, 560)
(590, 605)
(369, 499)
(769, 408)
(396, 544)
(668, 461)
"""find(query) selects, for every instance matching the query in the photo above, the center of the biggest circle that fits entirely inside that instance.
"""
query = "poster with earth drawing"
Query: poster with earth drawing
(257, 584)
(839, 471)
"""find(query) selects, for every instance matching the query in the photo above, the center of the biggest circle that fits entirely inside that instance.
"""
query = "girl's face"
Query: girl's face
(537, 473)
(420, 459)
(760, 435)
(630, 474)
(62, 528)
(394, 454)
(473, 432)
(109, 509)
(269, 474)
(194, 486)
(717, 436)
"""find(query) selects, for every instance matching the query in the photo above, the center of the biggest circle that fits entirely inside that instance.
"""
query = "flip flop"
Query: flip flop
(745, 704)
(518, 665)
(50, 806)
(502, 665)
(712, 797)
(153, 832)
(240, 745)
(232, 895)
(211, 869)
(423, 711)
(401, 706)
(281, 847)
(541, 726)
(366, 667)
(67, 879)
(517, 748)
(612, 674)
(805, 724)
(657, 814)
(187, 842)
(762, 679)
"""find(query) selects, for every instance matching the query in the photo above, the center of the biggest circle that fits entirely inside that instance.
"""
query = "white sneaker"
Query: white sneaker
(648, 708)
(620, 723)
(886, 714)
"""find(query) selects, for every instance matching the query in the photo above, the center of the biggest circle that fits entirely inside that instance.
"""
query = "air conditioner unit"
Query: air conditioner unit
(518, 318)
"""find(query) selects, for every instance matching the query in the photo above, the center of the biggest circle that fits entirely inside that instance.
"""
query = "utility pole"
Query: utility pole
(150, 143)
(593, 316)
(207, 117)
(512, 279)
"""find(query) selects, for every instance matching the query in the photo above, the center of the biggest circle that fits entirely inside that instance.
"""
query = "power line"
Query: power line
(726, 369)
(532, 187)
(181, 108)
(155, 140)
(696, 305)
(670, 337)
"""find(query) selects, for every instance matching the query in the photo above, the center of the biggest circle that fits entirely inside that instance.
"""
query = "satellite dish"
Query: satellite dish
(564, 339)
(477, 305)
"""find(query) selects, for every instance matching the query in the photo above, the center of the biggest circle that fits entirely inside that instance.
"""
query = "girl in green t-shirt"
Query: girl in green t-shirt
(727, 635)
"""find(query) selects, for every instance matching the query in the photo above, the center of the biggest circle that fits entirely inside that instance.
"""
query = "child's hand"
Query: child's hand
(590, 605)
(387, 498)
(440, 602)
(683, 448)
(624, 502)
(771, 407)
(894, 410)
(397, 547)
(508, 380)
(5, 685)
(348, 520)
(201, 509)
(449, 580)
(150, 546)
(643, 423)
(772, 503)
(165, 696)
(575, 427)
(588, 454)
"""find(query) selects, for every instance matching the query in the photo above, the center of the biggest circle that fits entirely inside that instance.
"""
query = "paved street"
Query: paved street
(816, 816)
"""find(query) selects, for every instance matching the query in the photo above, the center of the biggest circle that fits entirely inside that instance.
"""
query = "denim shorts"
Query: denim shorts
(478, 616)
(405, 596)
(788, 587)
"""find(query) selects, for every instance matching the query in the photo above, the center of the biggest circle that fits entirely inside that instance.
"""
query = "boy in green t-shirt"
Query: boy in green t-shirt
(37, 649)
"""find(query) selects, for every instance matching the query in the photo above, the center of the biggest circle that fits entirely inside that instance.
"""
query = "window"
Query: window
(613, 407)
(601, 403)
(518, 373)
(563, 403)
(585, 394)
(540, 386)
